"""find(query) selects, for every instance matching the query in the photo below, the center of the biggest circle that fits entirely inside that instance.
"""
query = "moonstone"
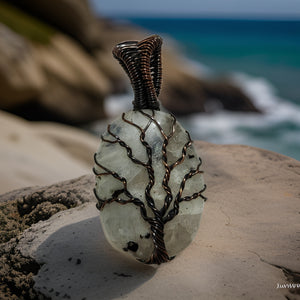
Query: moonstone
(148, 185)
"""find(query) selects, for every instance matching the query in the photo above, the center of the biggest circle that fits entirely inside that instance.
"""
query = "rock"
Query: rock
(21, 78)
(185, 91)
(47, 75)
(111, 34)
(182, 92)
(26, 206)
(21, 209)
(76, 87)
(67, 61)
(229, 96)
(72, 17)
(176, 228)
(41, 153)
(247, 244)
(110, 67)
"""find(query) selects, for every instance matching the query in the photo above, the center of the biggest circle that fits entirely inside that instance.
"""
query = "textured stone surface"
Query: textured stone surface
(19, 210)
(248, 241)
(124, 225)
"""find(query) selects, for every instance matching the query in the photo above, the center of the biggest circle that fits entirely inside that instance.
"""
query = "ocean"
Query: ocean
(262, 57)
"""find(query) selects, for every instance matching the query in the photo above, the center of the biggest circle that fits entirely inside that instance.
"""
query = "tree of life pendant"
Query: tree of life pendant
(148, 180)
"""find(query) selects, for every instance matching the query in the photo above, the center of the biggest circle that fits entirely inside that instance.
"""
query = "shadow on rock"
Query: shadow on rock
(80, 264)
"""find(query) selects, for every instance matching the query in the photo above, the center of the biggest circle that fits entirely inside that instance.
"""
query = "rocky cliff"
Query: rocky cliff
(56, 64)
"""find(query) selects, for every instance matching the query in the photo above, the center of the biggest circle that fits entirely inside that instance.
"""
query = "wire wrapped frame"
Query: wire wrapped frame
(142, 63)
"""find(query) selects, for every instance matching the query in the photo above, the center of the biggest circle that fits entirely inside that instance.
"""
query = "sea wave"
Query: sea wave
(277, 129)
(264, 95)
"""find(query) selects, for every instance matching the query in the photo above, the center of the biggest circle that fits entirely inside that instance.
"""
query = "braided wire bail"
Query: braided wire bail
(142, 63)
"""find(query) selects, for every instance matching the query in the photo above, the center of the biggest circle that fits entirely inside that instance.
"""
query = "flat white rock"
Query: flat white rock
(247, 245)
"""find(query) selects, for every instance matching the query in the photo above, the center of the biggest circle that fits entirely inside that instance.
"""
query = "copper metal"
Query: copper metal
(142, 63)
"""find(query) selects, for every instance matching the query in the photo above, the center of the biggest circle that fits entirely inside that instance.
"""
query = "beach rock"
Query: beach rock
(185, 90)
(42, 153)
(113, 33)
(21, 78)
(182, 93)
(247, 245)
(33, 205)
(222, 93)
(73, 17)
(76, 86)
(66, 60)
(110, 67)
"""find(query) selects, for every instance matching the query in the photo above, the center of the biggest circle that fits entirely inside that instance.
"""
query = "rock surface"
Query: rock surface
(185, 91)
(248, 241)
(76, 87)
(72, 17)
(21, 77)
(18, 211)
(41, 153)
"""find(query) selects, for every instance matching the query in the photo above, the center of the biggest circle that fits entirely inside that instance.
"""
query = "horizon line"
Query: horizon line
(245, 17)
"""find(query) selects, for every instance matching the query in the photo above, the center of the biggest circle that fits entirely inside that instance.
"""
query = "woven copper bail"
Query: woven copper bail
(142, 63)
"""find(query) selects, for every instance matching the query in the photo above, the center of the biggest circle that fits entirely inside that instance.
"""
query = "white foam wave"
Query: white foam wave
(270, 130)
(264, 95)
(116, 104)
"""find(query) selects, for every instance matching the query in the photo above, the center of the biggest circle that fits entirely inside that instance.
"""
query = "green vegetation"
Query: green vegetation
(25, 24)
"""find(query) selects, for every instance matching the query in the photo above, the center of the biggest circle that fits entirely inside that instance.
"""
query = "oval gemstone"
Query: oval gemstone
(149, 186)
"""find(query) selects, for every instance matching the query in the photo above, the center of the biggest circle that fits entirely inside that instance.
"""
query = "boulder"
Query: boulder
(111, 34)
(186, 91)
(75, 18)
(247, 246)
(66, 60)
(223, 94)
(21, 77)
(46, 75)
(76, 86)
(41, 153)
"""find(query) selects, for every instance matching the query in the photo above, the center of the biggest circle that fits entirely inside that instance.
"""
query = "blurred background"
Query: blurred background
(231, 70)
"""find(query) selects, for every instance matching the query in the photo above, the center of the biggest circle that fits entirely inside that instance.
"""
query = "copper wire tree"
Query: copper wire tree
(142, 62)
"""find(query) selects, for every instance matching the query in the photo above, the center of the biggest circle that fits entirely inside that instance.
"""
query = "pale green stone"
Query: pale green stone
(123, 223)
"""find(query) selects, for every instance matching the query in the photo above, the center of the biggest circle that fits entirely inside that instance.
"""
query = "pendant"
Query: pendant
(148, 180)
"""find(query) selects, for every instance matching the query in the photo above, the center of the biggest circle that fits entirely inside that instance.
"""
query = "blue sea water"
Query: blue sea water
(262, 57)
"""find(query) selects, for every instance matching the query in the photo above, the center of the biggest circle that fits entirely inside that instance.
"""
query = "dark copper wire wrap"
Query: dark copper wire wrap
(142, 63)
(161, 217)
